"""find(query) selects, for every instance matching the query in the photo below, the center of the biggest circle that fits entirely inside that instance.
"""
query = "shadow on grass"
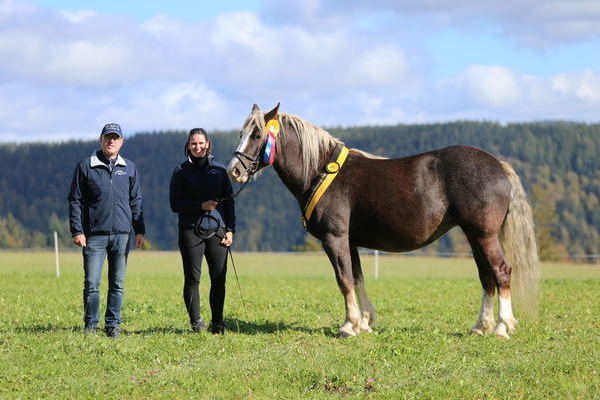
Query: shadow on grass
(156, 330)
(233, 325)
(44, 329)
(49, 328)
(259, 328)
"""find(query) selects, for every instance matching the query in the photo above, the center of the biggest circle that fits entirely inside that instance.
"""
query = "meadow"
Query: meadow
(284, 347)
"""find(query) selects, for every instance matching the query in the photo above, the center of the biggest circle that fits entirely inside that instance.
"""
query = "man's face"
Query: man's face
(111, 144)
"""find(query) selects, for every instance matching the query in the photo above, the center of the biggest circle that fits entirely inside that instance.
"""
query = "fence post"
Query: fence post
(376, 256)
(56, 254)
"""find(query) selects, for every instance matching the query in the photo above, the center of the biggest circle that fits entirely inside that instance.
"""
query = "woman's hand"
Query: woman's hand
(227, 239)
(209, 205)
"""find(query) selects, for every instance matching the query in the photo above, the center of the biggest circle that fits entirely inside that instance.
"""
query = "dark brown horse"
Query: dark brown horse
(396, 205)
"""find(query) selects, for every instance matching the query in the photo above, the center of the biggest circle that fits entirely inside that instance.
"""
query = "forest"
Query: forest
(557, 162)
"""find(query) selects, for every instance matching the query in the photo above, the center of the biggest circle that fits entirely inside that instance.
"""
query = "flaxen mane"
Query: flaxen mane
(313, 139)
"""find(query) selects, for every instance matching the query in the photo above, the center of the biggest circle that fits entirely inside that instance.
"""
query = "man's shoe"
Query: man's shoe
(218, 328)
(198, 325)
(89, 330)
(112, 331)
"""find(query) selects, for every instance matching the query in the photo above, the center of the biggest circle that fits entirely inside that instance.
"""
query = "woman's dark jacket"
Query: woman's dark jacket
(194, 183)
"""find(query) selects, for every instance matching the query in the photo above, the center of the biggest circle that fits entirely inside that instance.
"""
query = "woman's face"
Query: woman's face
(198, 145)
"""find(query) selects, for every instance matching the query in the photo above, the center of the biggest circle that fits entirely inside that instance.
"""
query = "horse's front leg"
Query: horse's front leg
(338, 251)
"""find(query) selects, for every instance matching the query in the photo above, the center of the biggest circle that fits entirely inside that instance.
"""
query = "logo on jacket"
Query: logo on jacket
(120, 172)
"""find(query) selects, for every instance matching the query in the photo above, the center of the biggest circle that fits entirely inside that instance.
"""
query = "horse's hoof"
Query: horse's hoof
(344, 334)
(501, 332)
(477, 332)
(364, 326)
(511, 324)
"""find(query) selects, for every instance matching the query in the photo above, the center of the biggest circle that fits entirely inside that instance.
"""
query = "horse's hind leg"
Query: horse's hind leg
(338, 251)
(366, 308)
(494, 274)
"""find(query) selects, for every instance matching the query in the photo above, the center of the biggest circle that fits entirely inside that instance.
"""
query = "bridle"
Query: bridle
(251, 168)
(253, 164)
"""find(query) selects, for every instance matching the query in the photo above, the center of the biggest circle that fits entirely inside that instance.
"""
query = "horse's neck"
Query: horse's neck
(288, 165)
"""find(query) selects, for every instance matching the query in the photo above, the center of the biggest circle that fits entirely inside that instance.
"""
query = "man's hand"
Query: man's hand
(79, 240)
(139, 240)
(227, 239)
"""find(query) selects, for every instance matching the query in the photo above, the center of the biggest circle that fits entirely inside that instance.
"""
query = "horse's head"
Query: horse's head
(257, 144)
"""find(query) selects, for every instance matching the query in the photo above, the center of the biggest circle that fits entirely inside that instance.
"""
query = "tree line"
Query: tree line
(557, 162)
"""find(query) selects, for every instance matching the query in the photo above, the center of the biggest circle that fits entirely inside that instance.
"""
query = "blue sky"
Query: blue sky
(71, 66)
(140, 10)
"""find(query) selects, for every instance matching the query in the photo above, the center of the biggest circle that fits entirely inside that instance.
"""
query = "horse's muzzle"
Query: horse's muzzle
(236, 171)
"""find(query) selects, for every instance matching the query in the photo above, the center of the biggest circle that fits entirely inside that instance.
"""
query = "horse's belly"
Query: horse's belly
(400, 232)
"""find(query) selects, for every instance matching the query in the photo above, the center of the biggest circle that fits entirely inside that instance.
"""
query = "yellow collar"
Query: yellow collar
(332, 169)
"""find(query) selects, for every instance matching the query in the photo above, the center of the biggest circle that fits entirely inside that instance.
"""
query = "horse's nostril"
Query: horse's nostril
(235, 172)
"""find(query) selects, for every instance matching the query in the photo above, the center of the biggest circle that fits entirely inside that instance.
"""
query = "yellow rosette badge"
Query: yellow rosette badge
(272, 127)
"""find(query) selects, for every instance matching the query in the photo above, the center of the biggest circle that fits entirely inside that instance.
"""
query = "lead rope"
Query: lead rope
(229, 197)
(238, 283)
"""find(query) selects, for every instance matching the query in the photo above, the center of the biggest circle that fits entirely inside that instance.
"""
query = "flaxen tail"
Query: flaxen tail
(520, 249)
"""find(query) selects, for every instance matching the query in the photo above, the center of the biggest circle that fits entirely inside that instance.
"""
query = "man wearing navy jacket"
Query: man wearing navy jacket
(105, 203)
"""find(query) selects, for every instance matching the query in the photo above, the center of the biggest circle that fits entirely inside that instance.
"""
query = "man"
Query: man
(105, 202)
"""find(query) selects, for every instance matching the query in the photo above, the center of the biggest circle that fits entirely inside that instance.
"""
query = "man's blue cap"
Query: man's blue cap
(111, 128)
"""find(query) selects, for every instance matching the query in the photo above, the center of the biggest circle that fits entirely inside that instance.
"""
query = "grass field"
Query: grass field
(285, 348)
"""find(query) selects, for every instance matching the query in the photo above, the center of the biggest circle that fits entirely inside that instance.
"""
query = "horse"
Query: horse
(350, 199)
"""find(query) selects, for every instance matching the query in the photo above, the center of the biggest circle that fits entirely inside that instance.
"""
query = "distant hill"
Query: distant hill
(557, 161)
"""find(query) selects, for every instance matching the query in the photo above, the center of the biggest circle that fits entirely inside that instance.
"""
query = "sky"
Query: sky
(69, 66)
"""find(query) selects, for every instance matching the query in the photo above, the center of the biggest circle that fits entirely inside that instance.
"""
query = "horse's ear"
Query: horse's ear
(272, 114)
(255, 108)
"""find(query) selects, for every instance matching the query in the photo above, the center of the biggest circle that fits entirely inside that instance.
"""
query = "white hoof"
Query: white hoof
(348, 329)
(501, 331)
(510, 323)
(483, 327)
(342, 334)
(364, 325)
(477, 331)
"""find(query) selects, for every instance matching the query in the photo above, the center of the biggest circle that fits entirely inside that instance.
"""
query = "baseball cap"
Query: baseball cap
(111, 128)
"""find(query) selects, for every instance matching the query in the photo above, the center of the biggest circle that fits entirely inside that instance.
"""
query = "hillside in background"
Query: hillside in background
(557, 162)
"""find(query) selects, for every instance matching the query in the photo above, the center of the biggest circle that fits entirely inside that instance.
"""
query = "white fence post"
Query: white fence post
(56, 254)
(376, 255)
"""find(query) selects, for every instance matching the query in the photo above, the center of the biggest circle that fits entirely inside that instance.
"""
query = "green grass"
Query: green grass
(286, 348)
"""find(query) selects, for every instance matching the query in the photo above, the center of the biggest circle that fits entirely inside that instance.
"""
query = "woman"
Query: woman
(200, 193)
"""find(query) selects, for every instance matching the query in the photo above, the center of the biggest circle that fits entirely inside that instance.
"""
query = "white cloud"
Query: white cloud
(493, 86)
(79, 16)
(584, 86)
(381, 65)
(531, 22)
(11, 9)
(181, 105)
(498, 93)
(333, 63)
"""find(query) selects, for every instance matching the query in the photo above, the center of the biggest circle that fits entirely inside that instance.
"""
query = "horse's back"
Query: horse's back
(414, 200)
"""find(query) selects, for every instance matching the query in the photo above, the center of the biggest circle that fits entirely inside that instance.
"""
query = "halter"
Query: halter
(254, 164)
(267, 152)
